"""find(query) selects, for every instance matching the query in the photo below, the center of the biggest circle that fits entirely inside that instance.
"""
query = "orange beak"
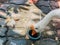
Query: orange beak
(33, 30)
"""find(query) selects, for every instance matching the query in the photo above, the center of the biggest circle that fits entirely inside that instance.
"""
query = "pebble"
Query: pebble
(15, 41)
(2, 40)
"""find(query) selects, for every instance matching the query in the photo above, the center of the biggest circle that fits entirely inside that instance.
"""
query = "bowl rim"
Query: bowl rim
(33, 37)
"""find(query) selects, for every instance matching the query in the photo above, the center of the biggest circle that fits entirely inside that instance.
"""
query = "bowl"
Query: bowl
(35, 37)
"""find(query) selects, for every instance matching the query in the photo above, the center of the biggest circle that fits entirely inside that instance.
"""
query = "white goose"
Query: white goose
(44, 22)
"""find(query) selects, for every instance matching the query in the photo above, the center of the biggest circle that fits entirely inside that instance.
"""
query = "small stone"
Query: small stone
(12, 33)
(2, 31)
(37, 42)
(17, 41)
(2, 40)
(2, 28)
(16, 33)
(18, 1)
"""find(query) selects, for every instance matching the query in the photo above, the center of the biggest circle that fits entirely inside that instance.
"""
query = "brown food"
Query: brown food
(33, 30)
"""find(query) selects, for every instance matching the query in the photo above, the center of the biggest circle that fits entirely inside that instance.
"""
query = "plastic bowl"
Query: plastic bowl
(34, 38)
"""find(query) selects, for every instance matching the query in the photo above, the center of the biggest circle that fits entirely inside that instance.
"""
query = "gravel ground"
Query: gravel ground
(17, 36)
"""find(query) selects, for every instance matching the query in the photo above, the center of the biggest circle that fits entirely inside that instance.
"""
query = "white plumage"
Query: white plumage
(45, 21)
